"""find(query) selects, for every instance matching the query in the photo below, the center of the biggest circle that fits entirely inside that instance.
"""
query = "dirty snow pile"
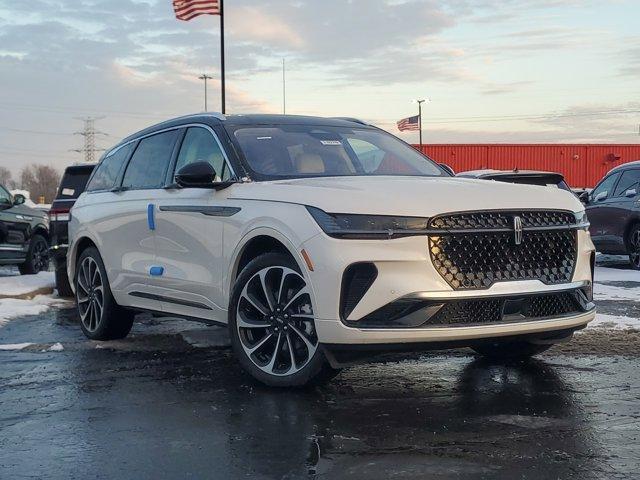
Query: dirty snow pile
(613, 284)
(21, 286)
(22, 295)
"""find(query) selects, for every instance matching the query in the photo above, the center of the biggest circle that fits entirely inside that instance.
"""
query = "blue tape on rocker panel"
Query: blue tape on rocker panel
(150, 216)
(156, 271)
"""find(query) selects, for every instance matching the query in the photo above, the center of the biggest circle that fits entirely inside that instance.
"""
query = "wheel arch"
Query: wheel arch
(41, 230)
(255, 243)
(79, 246)
(633, 223)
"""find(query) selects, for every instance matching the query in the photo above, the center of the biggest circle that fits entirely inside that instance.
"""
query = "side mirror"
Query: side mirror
(601, 196)
(632, 192)
(447, 169)
(19, 199)
(196, 175)
(584, 197)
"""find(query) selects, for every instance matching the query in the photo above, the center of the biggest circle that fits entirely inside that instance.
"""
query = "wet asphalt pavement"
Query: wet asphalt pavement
(171, 402)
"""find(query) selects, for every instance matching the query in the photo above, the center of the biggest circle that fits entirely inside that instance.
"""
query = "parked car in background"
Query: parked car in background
(528, 177)
(317, 241)
(24, 234)
(74, 181)
(613, 208)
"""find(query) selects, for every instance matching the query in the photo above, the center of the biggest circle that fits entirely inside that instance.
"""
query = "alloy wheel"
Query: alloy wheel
(634, 255)
(274, 319)
(90, 293)
(40, 256)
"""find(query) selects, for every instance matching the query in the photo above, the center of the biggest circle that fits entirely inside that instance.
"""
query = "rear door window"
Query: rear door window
(149, 163)
(107, 172)
(200, 145)
(629, 181)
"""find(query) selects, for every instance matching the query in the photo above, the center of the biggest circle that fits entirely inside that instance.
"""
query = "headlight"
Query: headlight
(582, 221)
(346, 225)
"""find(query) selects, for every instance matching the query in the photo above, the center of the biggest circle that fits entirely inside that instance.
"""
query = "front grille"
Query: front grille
(493, 310)
(475, 260)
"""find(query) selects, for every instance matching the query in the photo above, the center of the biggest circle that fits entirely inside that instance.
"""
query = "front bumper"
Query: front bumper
(404, 269)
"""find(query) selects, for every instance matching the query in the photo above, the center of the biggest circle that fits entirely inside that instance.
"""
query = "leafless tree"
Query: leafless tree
(40, 181)
(6, 179)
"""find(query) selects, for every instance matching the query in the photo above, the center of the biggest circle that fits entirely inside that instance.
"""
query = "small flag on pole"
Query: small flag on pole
(409, 124)
(188, 9)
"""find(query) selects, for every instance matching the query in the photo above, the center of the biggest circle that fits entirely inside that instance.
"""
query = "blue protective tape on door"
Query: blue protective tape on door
(150, 216)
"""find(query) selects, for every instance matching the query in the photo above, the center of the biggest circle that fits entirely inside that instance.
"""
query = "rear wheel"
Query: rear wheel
(37, 256)
(510, 350)
(62, 282)
(101, 318)
(634, 247)
(271, 323)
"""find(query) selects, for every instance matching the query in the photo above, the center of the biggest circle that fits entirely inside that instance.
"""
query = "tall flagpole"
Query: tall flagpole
(222, 69)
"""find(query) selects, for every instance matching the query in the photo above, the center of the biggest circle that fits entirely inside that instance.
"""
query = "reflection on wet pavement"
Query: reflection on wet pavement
(153, 406)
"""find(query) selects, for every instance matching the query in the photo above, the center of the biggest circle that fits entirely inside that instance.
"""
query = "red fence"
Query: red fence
(582, 165)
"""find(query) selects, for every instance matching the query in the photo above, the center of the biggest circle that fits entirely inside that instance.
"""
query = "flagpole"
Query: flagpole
(222, 63)
(420, 102)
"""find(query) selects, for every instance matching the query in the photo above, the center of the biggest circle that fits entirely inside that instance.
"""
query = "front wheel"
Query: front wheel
(510, 350)
(634, 248)
(37, 257)
(271, 324)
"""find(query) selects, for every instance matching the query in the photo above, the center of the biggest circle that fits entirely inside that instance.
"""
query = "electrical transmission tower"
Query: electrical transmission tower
(89, 133)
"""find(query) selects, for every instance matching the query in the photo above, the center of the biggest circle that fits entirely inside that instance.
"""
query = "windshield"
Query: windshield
(298, 151)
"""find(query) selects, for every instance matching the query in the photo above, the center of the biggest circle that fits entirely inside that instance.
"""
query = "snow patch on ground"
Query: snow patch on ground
(614, 322)
(16, 286)
(15, 346)
(56, 347)
(611, 292)
(606, 274)
(11, 308)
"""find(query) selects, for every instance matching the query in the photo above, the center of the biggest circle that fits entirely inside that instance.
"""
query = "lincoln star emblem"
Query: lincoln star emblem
(517, 230)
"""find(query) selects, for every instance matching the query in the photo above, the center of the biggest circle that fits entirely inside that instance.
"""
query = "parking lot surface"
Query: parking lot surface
(171, 402)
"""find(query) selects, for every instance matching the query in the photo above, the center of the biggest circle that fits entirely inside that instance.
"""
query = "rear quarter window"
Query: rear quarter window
(107, 171)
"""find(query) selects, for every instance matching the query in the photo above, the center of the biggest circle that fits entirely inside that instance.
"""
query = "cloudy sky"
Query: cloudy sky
(494, 70)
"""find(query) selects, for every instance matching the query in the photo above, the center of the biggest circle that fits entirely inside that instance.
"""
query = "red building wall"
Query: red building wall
(582, 165)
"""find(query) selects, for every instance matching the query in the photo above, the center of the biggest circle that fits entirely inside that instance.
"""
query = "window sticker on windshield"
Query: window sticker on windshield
(68, 192)
(335, 143)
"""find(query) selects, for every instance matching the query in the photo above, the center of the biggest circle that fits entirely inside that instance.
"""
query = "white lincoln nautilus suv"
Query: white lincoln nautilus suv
(320, 242)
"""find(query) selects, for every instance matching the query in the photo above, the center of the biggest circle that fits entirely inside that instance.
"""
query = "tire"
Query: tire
(274, 337)
(62, 283)
(101, 318)
(634, 247)
(37, 257)
(510, 350)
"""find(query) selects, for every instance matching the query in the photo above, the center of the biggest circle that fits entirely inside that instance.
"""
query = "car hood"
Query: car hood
(409, 196)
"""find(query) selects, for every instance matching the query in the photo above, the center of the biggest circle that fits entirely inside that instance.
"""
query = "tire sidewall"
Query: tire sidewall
(634, 229)
(28, 267)
(315, 365)
(109, 305)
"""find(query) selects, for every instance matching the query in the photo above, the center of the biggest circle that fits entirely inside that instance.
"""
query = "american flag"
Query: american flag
(188, 9)
(409, 124)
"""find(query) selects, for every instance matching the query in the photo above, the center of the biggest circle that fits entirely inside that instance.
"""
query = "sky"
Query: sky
(494, 71)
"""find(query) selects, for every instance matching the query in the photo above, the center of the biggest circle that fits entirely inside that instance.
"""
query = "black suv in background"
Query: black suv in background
(613, 208)
(73, 183)
(24, 234)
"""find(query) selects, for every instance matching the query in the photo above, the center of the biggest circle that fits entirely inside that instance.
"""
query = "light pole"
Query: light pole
(420, 102)
(205, 77)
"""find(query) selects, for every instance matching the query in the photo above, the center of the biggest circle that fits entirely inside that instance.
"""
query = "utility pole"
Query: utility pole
(206, 77)
(89, 133)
